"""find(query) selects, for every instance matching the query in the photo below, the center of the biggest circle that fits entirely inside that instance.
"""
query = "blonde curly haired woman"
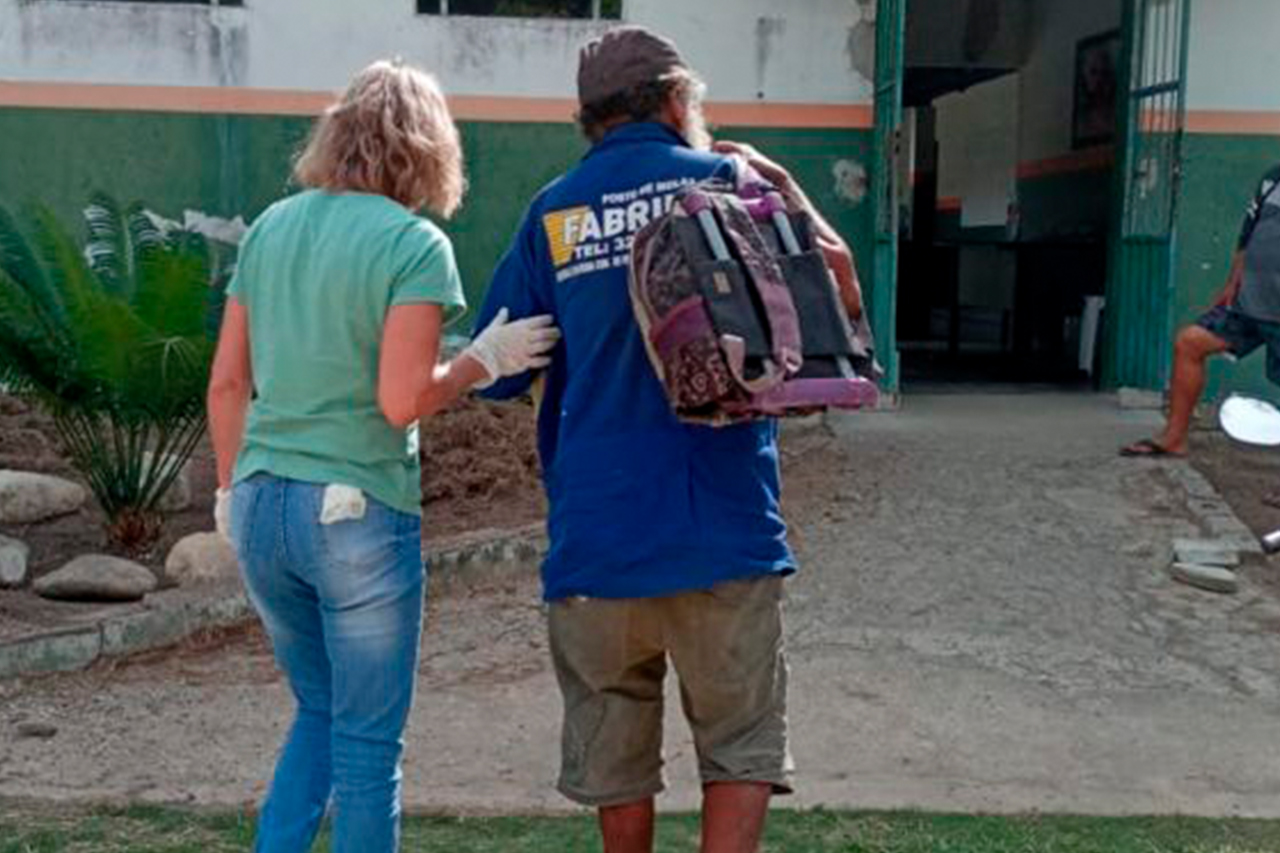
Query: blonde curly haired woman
(327, 355)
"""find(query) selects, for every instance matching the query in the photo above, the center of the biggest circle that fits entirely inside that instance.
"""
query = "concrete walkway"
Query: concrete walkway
(984, 622)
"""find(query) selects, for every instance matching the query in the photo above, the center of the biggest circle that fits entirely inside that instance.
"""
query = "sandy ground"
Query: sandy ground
(983, 622)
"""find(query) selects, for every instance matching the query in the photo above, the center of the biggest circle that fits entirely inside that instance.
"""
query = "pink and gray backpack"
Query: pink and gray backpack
(739, 311)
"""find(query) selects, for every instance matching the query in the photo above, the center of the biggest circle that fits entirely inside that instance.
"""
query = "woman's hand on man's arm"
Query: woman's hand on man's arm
(411, 385)
(510, 347)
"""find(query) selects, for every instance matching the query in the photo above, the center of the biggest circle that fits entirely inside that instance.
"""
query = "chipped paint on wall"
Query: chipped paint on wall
(850, 181)
(108, 40)
(860, 46)
(791, 52)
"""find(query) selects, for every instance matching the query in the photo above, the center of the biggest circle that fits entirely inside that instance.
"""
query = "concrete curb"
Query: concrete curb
(168, 617)
(484, 556)
(1213, 512)
(172, 615)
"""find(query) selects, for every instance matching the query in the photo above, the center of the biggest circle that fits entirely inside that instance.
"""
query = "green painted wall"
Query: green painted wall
(221, 165)
(1071, 205)
(1068, 206)
(1220, 174)
(229, 165)
(506, 165)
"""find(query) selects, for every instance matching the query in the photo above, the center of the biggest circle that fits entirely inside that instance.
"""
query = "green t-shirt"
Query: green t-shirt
(317, 274)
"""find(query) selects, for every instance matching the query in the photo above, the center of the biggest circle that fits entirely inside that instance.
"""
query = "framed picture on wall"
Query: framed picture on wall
(1097, 83)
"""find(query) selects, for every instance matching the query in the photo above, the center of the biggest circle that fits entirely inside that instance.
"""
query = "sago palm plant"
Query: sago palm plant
(114, 339)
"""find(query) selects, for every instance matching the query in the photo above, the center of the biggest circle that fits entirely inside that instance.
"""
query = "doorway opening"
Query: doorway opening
(1005, 190)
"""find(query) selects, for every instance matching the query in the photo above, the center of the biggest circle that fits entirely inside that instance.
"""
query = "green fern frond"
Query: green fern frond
(24, 340)
(109, 248)
(114, 339)
(21, 263)
(146, 234)
(172, 292)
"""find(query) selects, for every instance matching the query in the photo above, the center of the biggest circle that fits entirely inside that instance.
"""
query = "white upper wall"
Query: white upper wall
(797, 51)
(1231, 65)
(1048, 77)
(977, 133)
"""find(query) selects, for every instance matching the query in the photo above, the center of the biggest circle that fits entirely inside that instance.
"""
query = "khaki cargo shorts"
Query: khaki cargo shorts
(611, 658)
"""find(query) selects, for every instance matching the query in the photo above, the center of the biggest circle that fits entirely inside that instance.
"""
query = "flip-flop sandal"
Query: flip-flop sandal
(1149, 448)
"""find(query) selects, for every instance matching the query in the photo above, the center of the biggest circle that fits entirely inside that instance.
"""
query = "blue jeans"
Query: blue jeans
(342, 604)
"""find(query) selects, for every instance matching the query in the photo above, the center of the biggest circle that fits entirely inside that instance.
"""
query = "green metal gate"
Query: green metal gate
(890, 36)
(1140, 284)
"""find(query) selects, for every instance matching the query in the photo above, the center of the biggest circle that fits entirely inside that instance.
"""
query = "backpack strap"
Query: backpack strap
(738, 230)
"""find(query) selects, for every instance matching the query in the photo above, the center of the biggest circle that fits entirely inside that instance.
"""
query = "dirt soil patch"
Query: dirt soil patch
(1242, 474)
(480, 469)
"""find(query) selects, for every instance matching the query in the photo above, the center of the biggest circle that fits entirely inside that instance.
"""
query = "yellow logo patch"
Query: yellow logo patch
(565, 232)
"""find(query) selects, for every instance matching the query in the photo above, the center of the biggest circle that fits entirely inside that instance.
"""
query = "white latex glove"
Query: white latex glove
(222, 513)
(509, 349)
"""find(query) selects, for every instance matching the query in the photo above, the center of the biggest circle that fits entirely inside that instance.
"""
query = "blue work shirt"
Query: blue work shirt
(641, 504)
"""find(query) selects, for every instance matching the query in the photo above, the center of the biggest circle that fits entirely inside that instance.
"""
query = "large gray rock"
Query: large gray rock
(178, 496)
(13, 562)
(26, 497)
(97, 577)
(201, 557)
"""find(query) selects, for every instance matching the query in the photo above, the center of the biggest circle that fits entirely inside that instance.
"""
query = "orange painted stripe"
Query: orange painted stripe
(242, 101)
(950, 204)
(491, 108)
(161, 99)
(1088, 160)
(245, 101)
(186, 99)
(1235, 122)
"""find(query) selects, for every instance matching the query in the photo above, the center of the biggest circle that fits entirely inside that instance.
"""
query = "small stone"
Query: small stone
(201, 557)
(97, 577)
(44, 731)
(1206, 552)
(13, 562)
(178, 496)
(26, 497)
(1211, 578)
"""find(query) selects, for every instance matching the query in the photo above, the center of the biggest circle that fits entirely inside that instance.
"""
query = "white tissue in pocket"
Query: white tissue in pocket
(342, 503)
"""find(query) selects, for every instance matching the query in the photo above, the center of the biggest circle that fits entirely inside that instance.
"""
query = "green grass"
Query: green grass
(44, 829)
